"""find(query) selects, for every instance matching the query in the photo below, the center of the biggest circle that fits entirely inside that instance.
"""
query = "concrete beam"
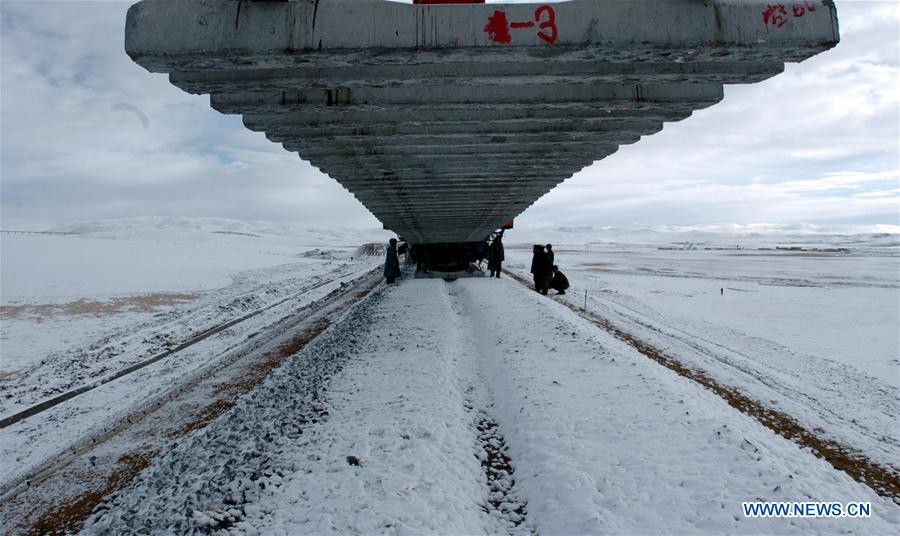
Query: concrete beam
(381, 168)
(475, 74)
(461, 180)
(573, 148)
(448, 120)
(449, 141)
(520, 126)
(525, 94)
(177, 35)
(375, 115)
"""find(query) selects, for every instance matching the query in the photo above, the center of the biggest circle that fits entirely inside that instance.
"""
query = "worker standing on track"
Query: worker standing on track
(540, 269)
(496, 255)
(391, 262)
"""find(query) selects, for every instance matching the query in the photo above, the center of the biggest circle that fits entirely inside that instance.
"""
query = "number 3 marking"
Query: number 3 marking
(549, 25)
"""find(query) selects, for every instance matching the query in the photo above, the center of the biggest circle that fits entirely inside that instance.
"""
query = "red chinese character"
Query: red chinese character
(798, 11)
(775, 15)
(497, 28)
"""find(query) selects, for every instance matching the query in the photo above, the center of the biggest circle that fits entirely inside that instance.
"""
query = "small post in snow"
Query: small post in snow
(585, 299)
(722, 291)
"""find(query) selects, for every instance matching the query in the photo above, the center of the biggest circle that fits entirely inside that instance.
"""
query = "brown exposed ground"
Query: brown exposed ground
(141, 303)
(885, 481)
(70, 516)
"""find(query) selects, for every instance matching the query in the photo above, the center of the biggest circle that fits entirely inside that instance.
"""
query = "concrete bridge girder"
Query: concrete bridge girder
(523, 94)
(448, 120)
(518, 126)
(399, 115)
(452, 140)
(523, 148)
(370, 168)
(476, 75)
(461, 180)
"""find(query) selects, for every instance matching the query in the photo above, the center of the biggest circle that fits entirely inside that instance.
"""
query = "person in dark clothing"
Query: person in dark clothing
(540, 269)
(550, 254)
(559, 282)
(496, 256)
(391, 262)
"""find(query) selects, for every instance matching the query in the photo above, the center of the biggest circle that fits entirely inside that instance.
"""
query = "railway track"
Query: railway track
(57, 495)
(202, 336)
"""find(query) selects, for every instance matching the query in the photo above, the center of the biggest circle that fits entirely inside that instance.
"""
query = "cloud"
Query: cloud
(802, 146)
(88, 134)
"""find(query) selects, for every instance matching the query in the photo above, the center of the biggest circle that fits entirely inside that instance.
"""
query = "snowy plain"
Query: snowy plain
(64, 291)
(602, 440)
(379, 425)
(807, 323)
(77, 308)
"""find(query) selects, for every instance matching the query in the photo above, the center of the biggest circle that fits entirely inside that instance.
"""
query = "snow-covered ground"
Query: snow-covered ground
(62, 292)
(473, 406)
(813, 332)
(77, 308)
(144, 255)
(375, 429)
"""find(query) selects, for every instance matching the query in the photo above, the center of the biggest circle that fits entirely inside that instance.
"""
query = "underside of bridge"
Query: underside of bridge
(446, 121)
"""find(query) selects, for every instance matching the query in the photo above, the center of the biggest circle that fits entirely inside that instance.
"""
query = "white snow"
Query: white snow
(374, 426)
(127, 260)
(120, 257)
(812, 333)
(601, 439)
(51, 344)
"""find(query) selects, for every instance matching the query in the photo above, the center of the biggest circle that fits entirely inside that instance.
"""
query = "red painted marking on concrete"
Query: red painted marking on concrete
(497, 28)
(775, 16)
(799, 10)
(549, 24)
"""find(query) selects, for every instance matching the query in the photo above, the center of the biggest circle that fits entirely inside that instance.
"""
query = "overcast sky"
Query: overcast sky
(87, 134)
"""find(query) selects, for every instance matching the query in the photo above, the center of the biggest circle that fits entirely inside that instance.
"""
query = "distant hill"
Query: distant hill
(142, 225)
(721, 234)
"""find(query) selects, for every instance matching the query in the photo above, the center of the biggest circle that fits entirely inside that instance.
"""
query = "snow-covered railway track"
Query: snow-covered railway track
(883, 479)
(202, 336)
(475, 407)
(58, 494)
